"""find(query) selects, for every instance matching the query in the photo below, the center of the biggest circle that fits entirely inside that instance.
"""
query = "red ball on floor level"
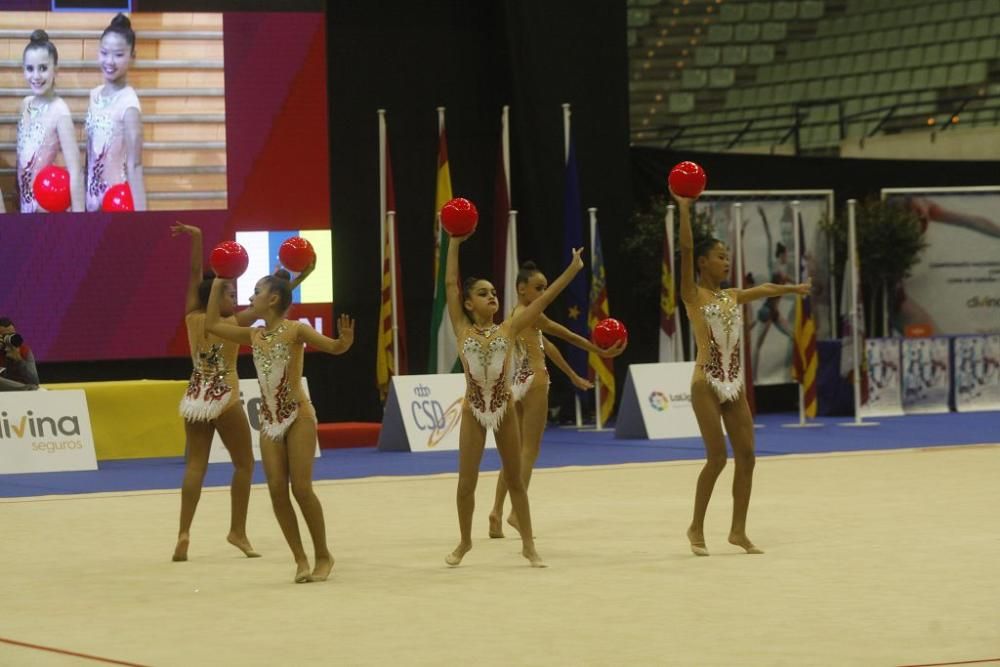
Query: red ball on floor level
(51, 188)
(229, 260)
(608, 332)
(118, 199)
(459, 217)
(687, 179)
(296, 254)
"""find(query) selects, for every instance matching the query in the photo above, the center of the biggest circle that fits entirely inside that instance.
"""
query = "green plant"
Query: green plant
(890, 241)
(643, 247)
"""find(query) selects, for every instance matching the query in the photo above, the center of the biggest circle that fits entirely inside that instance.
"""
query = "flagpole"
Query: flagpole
(675, 340)
(510, 290)
(797, 247)
(597, 378)
(566, 122)
(381, 186)
(505, 145)
(390, 218)
(852, 249)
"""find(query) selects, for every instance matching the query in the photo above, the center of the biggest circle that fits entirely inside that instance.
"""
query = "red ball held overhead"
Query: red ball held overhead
(459, 217)
(229, 260)
(608, 332)
(118, 199)
(51, 188)
(296, 254)
(687, 179)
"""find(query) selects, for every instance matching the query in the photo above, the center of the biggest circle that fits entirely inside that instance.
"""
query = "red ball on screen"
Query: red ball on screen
(296, 254)
(51, 188)
(687, 179)
(229, 260)
(608, 332)
(459, 217)
(118, 199)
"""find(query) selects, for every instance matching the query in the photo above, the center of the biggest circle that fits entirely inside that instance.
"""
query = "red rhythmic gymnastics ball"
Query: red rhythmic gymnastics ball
(459, 217)
(296, 254)
(118, 199)
(51, 188)
(608, 332)
(687, 179)
(229, 260)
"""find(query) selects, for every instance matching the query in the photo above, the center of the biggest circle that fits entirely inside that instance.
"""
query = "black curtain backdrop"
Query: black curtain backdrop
(472, 58)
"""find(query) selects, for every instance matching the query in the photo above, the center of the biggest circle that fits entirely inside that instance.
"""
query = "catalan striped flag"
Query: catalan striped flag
(805, 360)
(602, 369)
(391, 310)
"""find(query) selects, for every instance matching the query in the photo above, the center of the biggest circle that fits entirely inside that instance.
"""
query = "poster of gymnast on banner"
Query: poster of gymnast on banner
(885, 395)
(977, 373)
(768, 253)
(926, 375)
(955, 286)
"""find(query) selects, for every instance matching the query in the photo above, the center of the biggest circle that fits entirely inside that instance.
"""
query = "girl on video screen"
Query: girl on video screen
(45, 127)
(114, 121)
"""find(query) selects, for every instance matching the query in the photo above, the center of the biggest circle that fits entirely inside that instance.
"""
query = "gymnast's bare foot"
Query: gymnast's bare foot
(302, 572)
(697, 540)
(181, 550)
(532, 556)
(323, 566)
(243, 544)
(496, 528)
(512, 520)
(456, 556)
(741, 540)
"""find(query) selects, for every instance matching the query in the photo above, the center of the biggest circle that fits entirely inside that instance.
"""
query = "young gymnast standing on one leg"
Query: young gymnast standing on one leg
(487, 353)
(212, 403)
(717, 384)
(530, 387)
(288, 420)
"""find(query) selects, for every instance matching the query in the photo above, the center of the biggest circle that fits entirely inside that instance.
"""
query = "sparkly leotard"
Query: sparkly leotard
(37, 144)
(214, 385)
(489, 369)
(530, 363)
(278, 357)
(106, 150)
(721, 324)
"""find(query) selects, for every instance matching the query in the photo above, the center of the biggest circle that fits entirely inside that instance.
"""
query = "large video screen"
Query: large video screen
(216, 119)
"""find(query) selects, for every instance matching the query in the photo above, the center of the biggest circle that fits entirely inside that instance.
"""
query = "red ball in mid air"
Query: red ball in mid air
(687, 179)
(459, 217)
(51, 188)
(296, 254)
(608, 332)
(229, 260)
(118, 199)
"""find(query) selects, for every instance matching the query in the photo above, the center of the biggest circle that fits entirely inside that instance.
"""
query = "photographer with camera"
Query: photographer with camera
(17, 363)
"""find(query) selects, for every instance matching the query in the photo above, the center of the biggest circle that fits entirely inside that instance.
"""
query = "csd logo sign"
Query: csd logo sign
(430, 415)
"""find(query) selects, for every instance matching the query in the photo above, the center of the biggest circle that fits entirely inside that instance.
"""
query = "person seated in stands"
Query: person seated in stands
(17, 363)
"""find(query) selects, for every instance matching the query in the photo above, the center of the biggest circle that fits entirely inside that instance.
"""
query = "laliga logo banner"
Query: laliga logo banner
(45, 431)
(977, 373)
(250, 395)
(657, 402)
(423, 413)
(926, 375)
(885, 391)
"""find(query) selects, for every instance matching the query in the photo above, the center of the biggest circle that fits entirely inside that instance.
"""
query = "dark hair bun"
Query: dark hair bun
(529, 266)
(121, 21)
(39, 37)
(283, 274)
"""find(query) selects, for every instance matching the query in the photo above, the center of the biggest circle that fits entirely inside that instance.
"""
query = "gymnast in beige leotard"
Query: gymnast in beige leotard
(717, 393)
(288, 421)
(487, 352)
